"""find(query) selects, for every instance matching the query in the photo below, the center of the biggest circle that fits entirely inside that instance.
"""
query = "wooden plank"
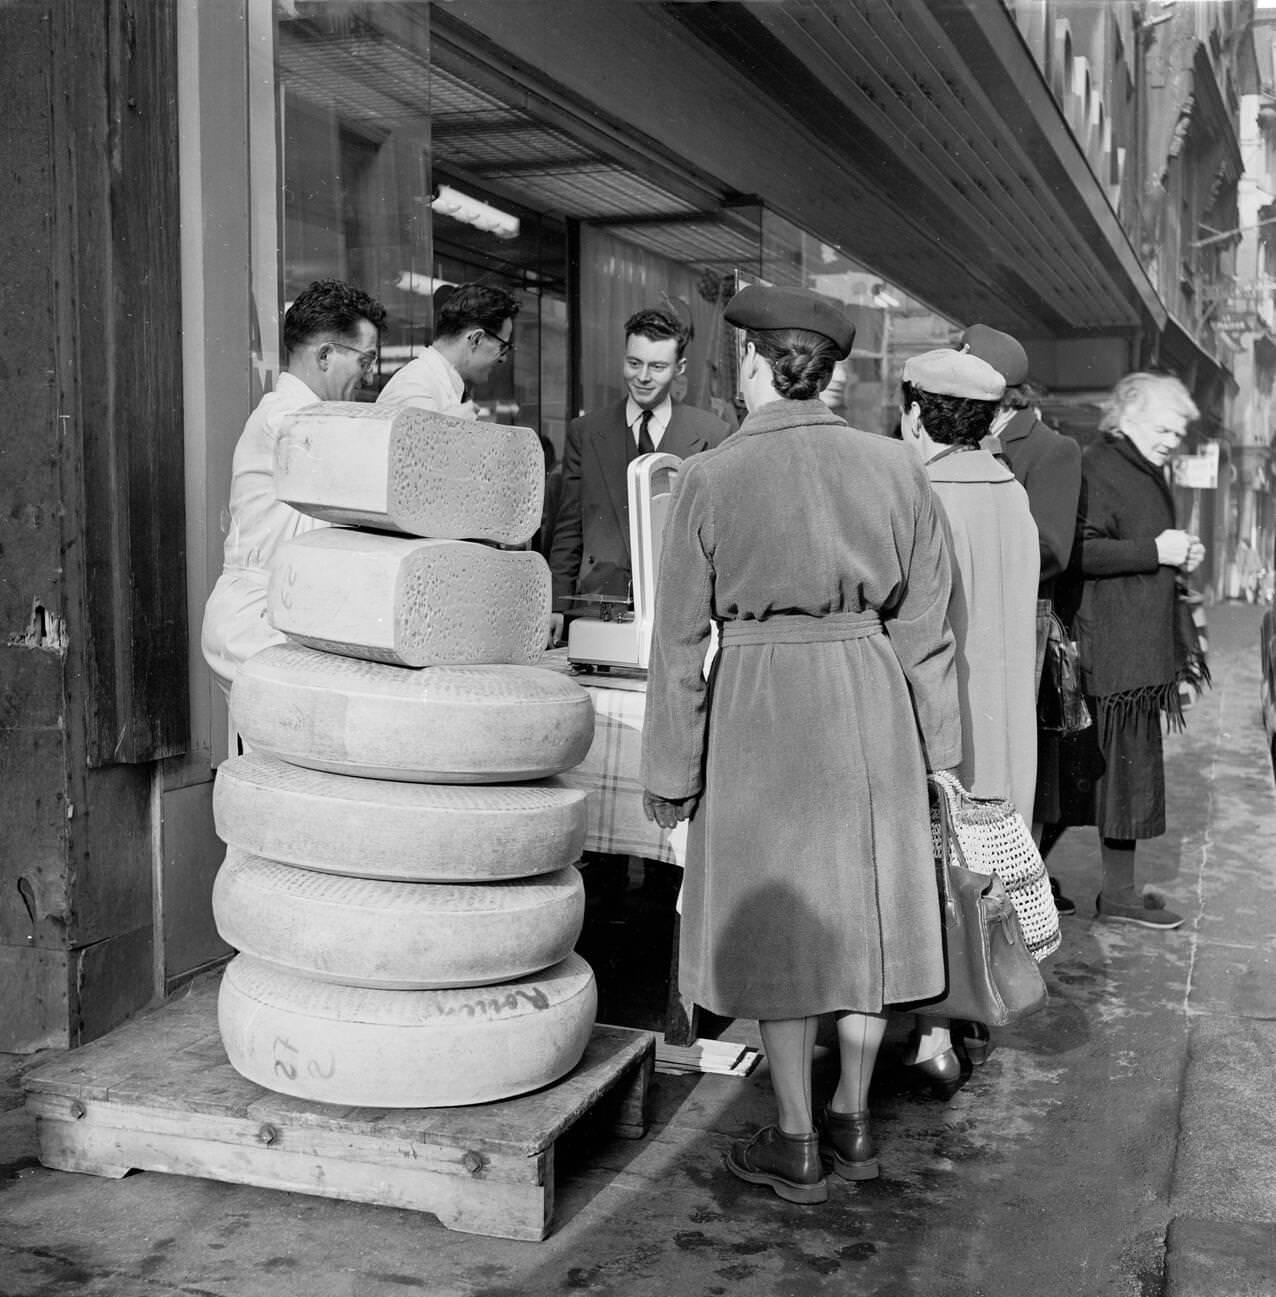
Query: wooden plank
(471, 1205)
(199, 1125)
(116, 69)
(158, 1095)
(36, 987)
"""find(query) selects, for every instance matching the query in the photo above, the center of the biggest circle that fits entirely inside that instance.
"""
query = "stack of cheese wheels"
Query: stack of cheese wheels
(400, 872)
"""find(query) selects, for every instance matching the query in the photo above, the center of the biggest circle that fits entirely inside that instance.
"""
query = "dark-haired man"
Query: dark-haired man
(472, 335)
(590, 554)
(330, 334)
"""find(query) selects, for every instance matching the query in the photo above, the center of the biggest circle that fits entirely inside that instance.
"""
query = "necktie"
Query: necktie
(645, 445)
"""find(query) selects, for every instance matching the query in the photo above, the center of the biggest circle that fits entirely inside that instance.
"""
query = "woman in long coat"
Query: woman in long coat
(949, 400)
(1135, 649)
(809, 887)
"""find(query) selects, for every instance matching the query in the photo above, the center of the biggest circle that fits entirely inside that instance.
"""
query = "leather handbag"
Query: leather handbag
(993, 839)
(1061, 704)
(992, 976)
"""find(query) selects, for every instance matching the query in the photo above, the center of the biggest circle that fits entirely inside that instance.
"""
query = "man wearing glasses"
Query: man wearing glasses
(330, 335)
(472, 335)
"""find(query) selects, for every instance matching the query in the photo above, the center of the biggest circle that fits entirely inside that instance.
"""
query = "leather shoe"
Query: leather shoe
(944, 1074)
(977, 1042)
(789, 1165)
(848, 1136)
(1062, 904)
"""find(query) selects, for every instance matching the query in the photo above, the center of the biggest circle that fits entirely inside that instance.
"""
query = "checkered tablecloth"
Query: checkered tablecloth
(610, 772)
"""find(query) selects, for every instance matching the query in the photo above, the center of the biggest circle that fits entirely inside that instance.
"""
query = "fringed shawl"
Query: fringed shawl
(1139, 644)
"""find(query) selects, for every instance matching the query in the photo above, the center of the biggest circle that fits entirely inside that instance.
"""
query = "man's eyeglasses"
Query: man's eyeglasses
(367, 359)
(505, 344)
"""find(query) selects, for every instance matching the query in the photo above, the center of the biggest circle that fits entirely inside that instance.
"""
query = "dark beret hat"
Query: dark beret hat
(756, 307)
(1000, 350)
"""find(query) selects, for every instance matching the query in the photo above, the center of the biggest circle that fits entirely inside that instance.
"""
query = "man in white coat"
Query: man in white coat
(330, 334)
(472, 335)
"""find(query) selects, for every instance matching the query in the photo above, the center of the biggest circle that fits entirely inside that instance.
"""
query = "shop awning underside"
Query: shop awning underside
(917, 137)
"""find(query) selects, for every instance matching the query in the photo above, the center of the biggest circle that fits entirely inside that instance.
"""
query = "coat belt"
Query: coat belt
(800, 629)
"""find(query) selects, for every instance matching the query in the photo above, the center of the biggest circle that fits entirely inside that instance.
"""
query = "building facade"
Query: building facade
(182, 168)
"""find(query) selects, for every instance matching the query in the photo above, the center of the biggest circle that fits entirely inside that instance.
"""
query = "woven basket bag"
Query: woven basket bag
(995, 840)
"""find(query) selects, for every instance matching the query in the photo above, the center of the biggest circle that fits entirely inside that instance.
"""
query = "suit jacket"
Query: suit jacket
(590, 553)
(1048, 466)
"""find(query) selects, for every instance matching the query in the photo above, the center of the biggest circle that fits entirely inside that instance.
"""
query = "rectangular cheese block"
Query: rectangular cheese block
(411, 471)
(412, 603)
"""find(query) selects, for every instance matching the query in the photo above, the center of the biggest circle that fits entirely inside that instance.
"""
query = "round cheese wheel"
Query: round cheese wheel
(376, 828)
(442, 725)
(404, 1049)
(401, 936)
(414, 603)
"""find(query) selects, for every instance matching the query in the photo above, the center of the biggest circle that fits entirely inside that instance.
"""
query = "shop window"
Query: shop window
(361, 177)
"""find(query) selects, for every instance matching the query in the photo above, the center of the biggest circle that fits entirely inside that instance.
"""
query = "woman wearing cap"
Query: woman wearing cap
(949, 400)
(801, 763)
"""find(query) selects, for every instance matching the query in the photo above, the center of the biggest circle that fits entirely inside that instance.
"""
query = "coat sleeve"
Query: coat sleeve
(1054, 488)
(673, 740)
(1105, 550)
(922, 638)
(565, 551)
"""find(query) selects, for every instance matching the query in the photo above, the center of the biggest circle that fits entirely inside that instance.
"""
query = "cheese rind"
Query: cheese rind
(400, 936)
(399, 468)
(404, 1049)
(409, 602)
(414, 832)
(462, 724)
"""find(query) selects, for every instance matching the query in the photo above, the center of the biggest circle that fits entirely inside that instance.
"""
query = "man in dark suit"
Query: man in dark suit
(590, 553)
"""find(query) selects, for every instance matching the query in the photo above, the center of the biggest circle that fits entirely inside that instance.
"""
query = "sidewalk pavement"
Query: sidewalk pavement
(1120, 1144)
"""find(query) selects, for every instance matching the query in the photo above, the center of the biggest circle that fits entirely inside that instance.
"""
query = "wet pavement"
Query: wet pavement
(1122, 1143)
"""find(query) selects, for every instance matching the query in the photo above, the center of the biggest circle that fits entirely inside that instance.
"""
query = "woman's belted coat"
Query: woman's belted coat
(810, 885)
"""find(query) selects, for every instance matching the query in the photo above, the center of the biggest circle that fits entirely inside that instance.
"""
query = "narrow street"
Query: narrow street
(1121, 1144)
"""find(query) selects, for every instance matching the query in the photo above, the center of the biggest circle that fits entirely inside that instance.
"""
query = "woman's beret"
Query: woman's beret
(1004, 353)
(756, 307)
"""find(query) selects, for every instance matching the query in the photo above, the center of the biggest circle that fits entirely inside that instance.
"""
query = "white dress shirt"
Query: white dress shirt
(660, 416)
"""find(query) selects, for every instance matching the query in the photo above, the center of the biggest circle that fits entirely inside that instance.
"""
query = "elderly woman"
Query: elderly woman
(949, 400)
(802, 761)
(1135, 648)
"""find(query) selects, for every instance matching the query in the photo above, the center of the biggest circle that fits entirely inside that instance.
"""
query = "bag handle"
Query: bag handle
(945, 789)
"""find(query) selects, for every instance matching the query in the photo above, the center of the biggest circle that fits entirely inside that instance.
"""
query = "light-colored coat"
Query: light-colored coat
(996, 558)
(809, 882)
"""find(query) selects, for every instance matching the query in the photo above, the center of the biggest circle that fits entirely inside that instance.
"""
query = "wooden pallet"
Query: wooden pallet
(158, 1094)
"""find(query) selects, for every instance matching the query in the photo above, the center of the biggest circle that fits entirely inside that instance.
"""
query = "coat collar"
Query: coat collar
(1127, 450)
(775, 415)
(1020, 424)
(969, 466)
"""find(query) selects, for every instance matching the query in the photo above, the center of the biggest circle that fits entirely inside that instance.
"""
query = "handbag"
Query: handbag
(1061, 704)
(991, 976)
(993, 839)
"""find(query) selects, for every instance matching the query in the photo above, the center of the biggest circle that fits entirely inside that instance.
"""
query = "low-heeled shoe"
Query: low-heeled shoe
(944, 1074)
(848, 1136)
(1147, 912)
(789, 1165)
